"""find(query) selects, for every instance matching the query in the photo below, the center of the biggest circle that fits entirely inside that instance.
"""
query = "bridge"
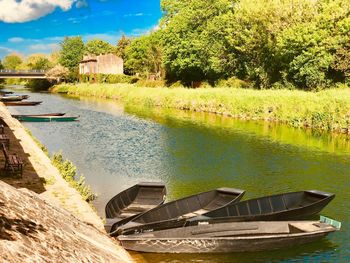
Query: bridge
(23, 74)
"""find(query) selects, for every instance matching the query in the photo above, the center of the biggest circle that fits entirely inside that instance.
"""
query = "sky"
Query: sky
(38, 26)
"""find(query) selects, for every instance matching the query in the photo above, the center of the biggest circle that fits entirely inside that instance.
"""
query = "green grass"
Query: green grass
(327, 110)
(67, 170)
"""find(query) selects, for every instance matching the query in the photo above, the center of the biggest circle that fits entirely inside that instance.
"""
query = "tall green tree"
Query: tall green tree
(122, 44)
(144, 55)
(98, 47)
(38, 61)
(12, 61)
(71, 53)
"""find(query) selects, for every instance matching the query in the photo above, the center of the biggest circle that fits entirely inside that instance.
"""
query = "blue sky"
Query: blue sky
(38, 26)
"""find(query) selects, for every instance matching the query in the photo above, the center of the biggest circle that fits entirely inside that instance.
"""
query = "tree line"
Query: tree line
(301, 44)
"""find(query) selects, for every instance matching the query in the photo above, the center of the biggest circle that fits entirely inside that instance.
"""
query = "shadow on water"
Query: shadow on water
(116, 146)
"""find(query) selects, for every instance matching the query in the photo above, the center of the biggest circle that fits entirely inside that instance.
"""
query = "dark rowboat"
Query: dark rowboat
(229, 237)
(286, 206)
(131, 202)
(6, 92)
(22, 103)
(11, 98)
(175, 213)
(47, 118)
(38, 115)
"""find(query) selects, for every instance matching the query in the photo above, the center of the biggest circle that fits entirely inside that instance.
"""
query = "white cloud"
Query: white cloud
(45, 47)
(6, 49)
(15, 39)
(137, 14)
(17, 11)
(111, 37)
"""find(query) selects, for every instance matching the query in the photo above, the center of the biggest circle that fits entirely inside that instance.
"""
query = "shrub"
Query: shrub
(69, 173)
(233, 83)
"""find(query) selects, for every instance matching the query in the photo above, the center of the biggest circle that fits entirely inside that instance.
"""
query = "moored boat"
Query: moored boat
(11, 98)
(230, 237)
(133, 201)
(37, 115)
(5, 92)
(175, 213)
(47, 118)
(22, 103)
(286, 206)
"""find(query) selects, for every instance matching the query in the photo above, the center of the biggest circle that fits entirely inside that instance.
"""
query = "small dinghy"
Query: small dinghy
(286, 206)
(22, 103)
(37, 115)
(47, 118)
(131, 202)
(175, 213)
(230, 237)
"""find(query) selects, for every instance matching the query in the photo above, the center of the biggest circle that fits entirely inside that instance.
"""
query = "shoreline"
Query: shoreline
(326, 111)
(53, 188)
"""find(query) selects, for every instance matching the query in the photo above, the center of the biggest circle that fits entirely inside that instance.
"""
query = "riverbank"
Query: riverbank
(41, 177)
(327, 110)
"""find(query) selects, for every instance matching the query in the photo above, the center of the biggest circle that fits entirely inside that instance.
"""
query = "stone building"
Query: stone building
(102, 64)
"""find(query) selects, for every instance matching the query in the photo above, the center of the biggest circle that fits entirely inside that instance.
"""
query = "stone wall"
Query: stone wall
(109, 64)
(103, 64)
(32, 230)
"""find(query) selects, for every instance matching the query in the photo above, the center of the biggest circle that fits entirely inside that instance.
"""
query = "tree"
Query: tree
(12, 61)
(72, 50)
(38, 61)
(189, 48)
(58, 73)
(122, 44)
(98, 47)
(144, 55)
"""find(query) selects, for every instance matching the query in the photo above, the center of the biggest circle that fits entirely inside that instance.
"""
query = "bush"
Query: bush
(69, 173)
(150, 83)
(233, 83)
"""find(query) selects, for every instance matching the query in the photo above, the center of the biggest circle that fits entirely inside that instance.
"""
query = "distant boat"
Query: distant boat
(6, 92)
(37, 115)
(11, 98)
(230, 237)
(133, 201)
(22, 103)
(175, 213)
(47, 118)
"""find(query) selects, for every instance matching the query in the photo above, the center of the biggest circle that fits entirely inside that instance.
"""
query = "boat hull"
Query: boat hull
(217, 245)
(37, 115)
(22, 103)
(175, 213)
(288, 206)
(46, 119)
(228, 237)
(133, 201)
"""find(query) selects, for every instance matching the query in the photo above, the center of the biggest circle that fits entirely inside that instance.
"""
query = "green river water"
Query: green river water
(116, 146)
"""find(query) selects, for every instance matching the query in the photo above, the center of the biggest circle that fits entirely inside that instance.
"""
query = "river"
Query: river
(116, 146)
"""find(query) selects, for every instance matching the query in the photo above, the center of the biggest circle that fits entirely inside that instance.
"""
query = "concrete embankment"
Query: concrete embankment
(51, 222)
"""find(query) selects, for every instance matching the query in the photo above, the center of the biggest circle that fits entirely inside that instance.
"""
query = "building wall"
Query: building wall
(109, 64)
(104, 64)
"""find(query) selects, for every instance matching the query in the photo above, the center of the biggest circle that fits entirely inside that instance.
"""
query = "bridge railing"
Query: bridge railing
(32, 71)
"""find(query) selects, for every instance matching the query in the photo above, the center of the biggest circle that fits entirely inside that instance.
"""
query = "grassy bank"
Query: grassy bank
(68, 171)
(327, 110)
